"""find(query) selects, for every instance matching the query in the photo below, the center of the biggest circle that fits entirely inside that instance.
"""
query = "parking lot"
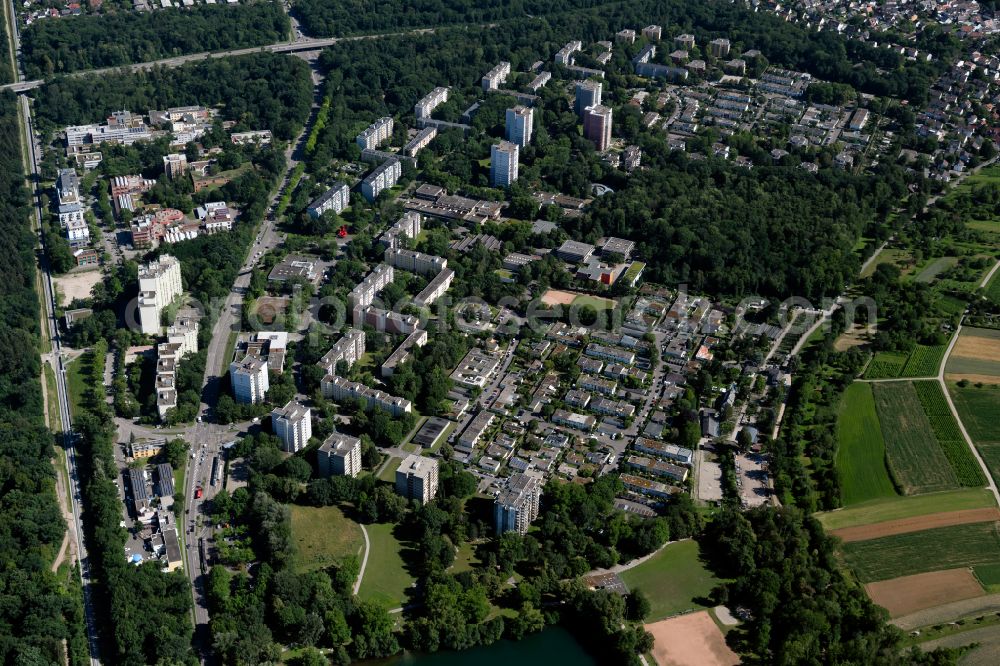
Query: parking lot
(751, 477)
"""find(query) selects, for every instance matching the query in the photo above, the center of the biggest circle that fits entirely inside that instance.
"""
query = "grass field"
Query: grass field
(75, 383)
(323, 536)
(672, 580)
(934, 268)
(980, 411)
(949, 437)
(917, 463)
(877, 511)
(52, 398)
(993, 288)
(389, 472)
(386, 578)
(861, 448)
(988, 576)
(919, 552)
(595, 302)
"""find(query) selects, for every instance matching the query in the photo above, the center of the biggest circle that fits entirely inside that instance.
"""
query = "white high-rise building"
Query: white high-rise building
(175, 165)
(417, 478)
(340, 455)
(588, 93)
(292, 424)
(430, 101)
(249, 379)
(517, 504)
(503, 164)
(159, 285)
(519, 125)
(376, 133)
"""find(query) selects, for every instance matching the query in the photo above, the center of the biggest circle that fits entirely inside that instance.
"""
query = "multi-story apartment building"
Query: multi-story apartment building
(382, 178)
(365, 292)
(417, 478)
(564, 56)
(419, 141)
(376, 133)
(415, 262)
(685, 42)
(159, 285)
(519, 123)
(338, 389)
(120, 127)
(349, 349)
(631, 158)
(597, 126)
(292, 424)
(626, 36)
(417, 338)
(719, 48)
(249, 379)
(496, 76)
(70, 208)
(175, 165)
(409, 226)
(503, 164)
(435, 289)
(673, 452)
(426, 105)
(340, 455)
(624, 356)
(539, 81)
(337, 198)
(184, 333)
(588, 93)
(517, 504)
(652, 32)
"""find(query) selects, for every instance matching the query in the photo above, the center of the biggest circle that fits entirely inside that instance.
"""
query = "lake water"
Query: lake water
(550, 647)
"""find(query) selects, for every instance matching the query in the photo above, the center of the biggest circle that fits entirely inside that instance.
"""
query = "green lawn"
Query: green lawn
(919, 552)
(917, 463)
(75, 383)
(323, 536)
(934, 268)
(52, 398)
(465, 558)
(389, 472)
(672, 580)
(861, 448)
(386, 579)
(595, 302)
(877, 511)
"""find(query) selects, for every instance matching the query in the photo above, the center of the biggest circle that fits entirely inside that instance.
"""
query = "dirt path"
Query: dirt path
(364, 561)
(916, 524)
(949, 612)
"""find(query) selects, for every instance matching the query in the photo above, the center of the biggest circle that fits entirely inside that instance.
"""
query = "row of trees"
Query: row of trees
(124, 38)
(41, 608)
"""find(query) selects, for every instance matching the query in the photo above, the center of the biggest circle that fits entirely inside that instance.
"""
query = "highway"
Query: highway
(68, 436)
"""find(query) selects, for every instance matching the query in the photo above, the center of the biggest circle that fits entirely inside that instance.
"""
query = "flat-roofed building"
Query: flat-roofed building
(575, 251)
(159, 285)
(417, 478)
(435, 289)
(588, 93)
(652, 32)
(564, 56)
(475, 369)
(340, 455)
(339, 389)
(292, 424)
(426, 105)
(474, 431)
(175, 165)
(414, 262)
(420, 141)
(673, 452)
(503, 164)
(382, 178)
(164, 480)
(496, 76)
(376, 133)
(642, 486)
(364, 293)
(337, 198)
(719, 48)
(517, 504)
(519, 123)
(685, 41)
(349, 348)
(583, 422)
(249, 379)
(417, 338)
(597, 121)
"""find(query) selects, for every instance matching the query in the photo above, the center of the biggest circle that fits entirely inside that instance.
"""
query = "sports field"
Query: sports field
(860, 457)
(323, 537)
(596, 302)
(386, 579)
(672, 580)
(898, 508)
(975, 357)
(920, 552)
(690, 640)
(917, 463)
(909, 594)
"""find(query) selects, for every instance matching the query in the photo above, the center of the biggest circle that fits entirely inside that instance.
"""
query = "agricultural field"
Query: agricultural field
(323, 536)
(989, 576)
(975, 357)
(964, 464)
(899, 508)
(886, 365)
(860, 456)
(672, 580)
(923, 361)
(979, 407)
(916, 524)
(921, 552)
(915, 459)
(909, 594)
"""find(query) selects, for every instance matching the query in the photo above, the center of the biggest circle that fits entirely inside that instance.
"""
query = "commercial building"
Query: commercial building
(337, 198)
(292, 424)
(588, 93)
(575, 251)
(339, 389)
(382, 178)
(249, 379)
(517, 504)
(496, 76)
(519, 125)
(146, 449)
(430, 101)
(417, 478)
(376, 133)
(159, 285)
(503, 164)
(339, 455)
(175, 165)
(597, 126)
(349, 349)
(292, 267)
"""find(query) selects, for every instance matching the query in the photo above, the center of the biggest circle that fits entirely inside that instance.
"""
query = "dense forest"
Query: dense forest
(41, 608)
(108, 40)
(6, 66)
(260, 90)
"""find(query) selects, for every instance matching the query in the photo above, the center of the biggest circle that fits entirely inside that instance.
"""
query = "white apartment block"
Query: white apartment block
(420, 141)
(364, 293)
(338, 389)
(159, 285)
(588, 93)
(417, 478)
(249, 379)
(496, 76)
(564, 56)
(517, 504)
(68, 194)
(415, 262)
(340, 455)
(337, 198)
(539, 81)
(121, 127)
(435, 289)
(376, 133)
(382, 178)
(519, 122)
(184, 334)
(292, 424)
(349, 349)
(430, 101)
(503, 164)
(77, 232)
(409, 225)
